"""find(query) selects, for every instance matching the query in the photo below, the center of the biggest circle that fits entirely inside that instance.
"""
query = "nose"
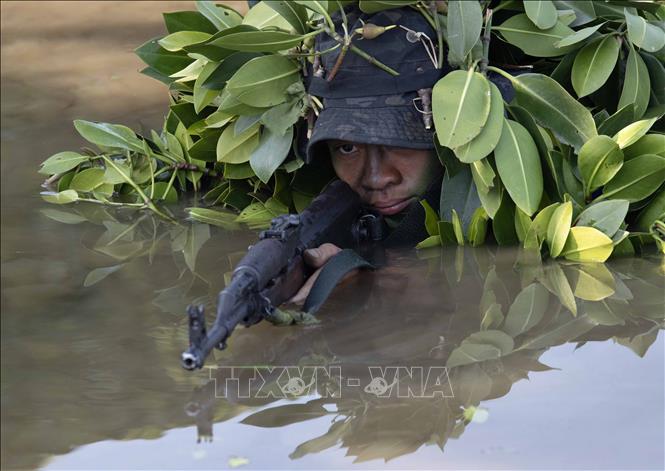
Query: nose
(378, 171)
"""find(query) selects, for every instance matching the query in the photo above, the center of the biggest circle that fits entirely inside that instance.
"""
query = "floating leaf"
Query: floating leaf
(606, 216)
(642, 34)
(594, 64)
(465, 21)
(587, 244)
(636, 85)
(271, 151)
(460, 106)
(62, 162)
(485, 142)
(541, 12)
(637, 179)
(554, 109)
(599, 161)
(519, 166)
(64, 197)
(527, 310)
(521, 32)
(559, 227)
(263, 81)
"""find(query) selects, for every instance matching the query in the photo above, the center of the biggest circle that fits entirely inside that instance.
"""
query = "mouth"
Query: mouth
(388, 208)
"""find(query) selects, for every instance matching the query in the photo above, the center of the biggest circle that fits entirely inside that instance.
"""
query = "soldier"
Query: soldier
(375, 127)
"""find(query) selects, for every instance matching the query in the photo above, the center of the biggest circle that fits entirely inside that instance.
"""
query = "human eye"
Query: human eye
(345, 148)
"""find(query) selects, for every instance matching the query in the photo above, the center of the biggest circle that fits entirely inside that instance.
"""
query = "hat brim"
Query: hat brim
(347, 120)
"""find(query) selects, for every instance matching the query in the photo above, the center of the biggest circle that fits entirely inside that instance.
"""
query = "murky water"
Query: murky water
(93, 319)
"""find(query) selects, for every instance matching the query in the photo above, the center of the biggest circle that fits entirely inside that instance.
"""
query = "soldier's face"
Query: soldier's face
(388, 179)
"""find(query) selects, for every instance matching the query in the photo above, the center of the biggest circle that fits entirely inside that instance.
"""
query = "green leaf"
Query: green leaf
(653, 211)
(282, 117)
(622, 118)
(606, 216)
(637, 179)
(497, 338)
(374, 6)
(490, 197)
(238, 149)
(204, 96)
(113, 176)
(492, 318)
(457, 228)
(187, 21)
(554, 279)
(263, 81)
(519, 166)
(599, 161)
(541, 12)
(219, 15)
(295, 14)
(227, 220)
(238, 171)
(503, 223)
(536, 233)
(465, 21)
(459, 193)
(88, 179)
(109, 135)
(478, 227)
(594, 64)
(469, 353)
(642, 34)
(176, 41)
(64, 197)
(161, 60)
(579, 36)
(431, 242)
(262, 16)
(522, 224)
(648, 144)
(62, 162)
(431, 219)
(170, 197)
(521, 32)
(633, 132)
(485, 142)
(527, 310)
(657, 75)
(559, 227)
(205, 148)
(586, 244)
(584, 10)
(259, 41)
(225, 70)
(553, 108)
(461, 106)
(270, 153)
(636, 85)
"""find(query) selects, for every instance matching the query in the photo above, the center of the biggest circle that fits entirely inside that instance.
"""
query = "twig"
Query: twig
(486, 41)
(439, 33)
(333, 34)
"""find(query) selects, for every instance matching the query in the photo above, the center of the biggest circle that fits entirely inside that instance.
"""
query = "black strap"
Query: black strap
(331, 274)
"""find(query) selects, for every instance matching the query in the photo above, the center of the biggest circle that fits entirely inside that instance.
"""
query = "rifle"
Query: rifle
(273, 270)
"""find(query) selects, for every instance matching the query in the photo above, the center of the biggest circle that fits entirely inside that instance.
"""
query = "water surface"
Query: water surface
(93, 319)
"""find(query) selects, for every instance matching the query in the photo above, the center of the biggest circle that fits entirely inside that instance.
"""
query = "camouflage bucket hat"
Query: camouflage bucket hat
(365, 104)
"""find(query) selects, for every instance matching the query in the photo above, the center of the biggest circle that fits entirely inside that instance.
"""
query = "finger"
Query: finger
(303, 292)
(318, 257)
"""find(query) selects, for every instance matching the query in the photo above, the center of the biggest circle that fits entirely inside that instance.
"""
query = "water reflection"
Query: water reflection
(410, 353)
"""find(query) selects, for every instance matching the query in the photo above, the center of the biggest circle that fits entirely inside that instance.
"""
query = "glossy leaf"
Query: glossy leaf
(637, 179)
(219, 15)
(519, 166)
(587, 244)
(263, 81)
(88, 179)
(583, 9)
(579, 36)
(465, 20)
(259, 41)
(594, 64)
(234, 149)
(553, 108)
(460, 106)
(592, 281)
(62, 162)
(176, 41)
(541, 12)
(521, 32)
(636, 85)
(459, 193)
(457, 228)
(63, 197)
(599, 161)
(522, 224)
(477, 227)
(647, 144)
(536, 232)
(490, 196)
(270, 153)
(431, 219)
(642, 34)
(633, 132)
(606, 216)
(485, 142)
(187, 21)
(431, 242)
(295, 14)
(559, 227)
(527, 310)
(109, 135)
